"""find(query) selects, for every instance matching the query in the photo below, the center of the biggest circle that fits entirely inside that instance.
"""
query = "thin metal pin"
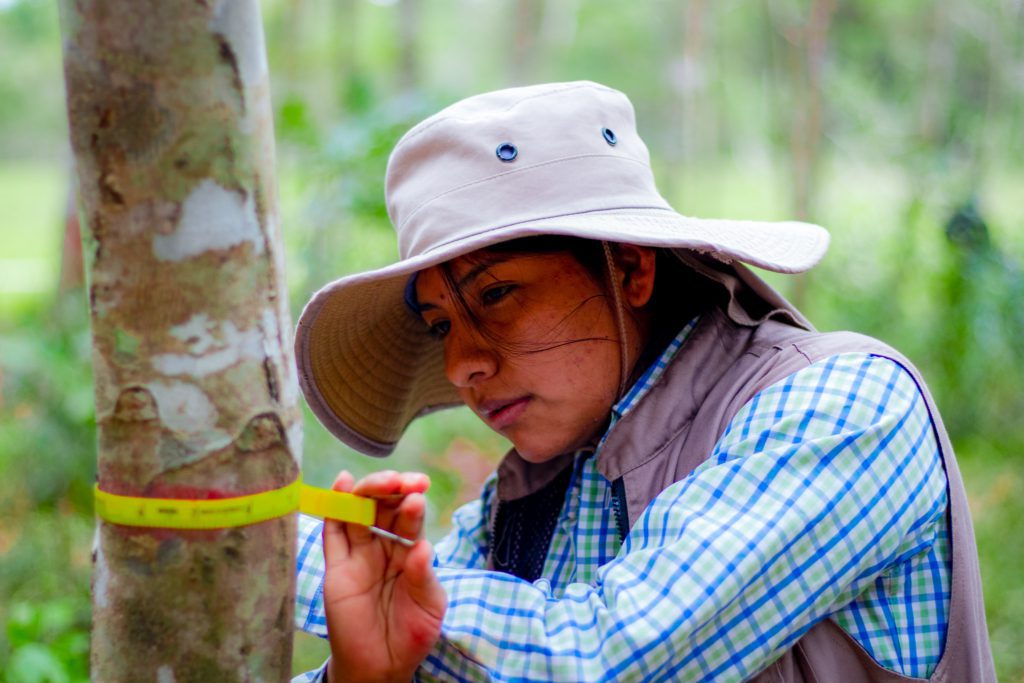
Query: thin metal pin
(408, 543)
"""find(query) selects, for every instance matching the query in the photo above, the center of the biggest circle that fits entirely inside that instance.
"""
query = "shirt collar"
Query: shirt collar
(649, 378)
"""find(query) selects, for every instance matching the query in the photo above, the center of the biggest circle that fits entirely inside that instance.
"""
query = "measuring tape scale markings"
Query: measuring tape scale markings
(223, 513)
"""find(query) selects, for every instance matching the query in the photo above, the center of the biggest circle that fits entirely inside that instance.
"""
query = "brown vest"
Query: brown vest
(737, 350)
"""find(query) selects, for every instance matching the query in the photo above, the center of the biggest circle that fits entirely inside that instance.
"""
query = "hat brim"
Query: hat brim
(368, 367)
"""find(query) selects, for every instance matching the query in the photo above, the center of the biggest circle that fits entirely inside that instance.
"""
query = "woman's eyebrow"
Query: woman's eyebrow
(482, 267)
(475, 272)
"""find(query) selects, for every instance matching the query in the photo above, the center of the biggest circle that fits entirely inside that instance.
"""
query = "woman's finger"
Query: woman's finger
(389, 483)
(415, 482)
(408, 522)
(400, 509)
(353, 534)
(336, 544)
(343, 482)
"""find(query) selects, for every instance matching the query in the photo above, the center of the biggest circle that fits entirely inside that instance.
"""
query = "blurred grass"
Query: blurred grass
(32, 196)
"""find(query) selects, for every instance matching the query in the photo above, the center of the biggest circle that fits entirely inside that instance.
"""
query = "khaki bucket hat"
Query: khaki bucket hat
(554, 159)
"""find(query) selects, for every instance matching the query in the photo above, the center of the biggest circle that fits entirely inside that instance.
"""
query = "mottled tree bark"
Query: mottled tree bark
(195, 389)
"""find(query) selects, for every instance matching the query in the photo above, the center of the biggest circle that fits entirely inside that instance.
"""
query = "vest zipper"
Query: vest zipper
(493, 528)
(620, 509)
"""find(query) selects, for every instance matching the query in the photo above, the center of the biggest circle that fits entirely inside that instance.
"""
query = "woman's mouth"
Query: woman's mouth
(499, 414)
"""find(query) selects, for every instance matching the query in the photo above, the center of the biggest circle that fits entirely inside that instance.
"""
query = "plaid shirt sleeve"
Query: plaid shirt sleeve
(819, 485)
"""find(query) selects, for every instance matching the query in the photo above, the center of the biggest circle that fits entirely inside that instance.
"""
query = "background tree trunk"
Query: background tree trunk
(72, 270)
(525, 23)
(807, 40)
(196, 396)
(408, 50)
(688, 76)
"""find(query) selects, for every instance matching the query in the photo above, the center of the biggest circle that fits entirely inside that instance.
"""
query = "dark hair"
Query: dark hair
(680, 293)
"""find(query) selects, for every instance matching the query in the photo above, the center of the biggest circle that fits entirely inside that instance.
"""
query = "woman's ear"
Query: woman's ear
(637, 264)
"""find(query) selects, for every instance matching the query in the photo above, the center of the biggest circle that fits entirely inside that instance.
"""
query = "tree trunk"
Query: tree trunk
(688, 107)
(72, 270)
(525, 24)
(408, 50)
(196, 395)
(807, 52)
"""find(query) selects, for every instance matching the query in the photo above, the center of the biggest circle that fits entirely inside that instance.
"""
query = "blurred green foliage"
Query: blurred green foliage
(48, 642)
(899, 126)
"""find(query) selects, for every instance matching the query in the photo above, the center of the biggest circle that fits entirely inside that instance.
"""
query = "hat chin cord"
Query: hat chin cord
(619, 317)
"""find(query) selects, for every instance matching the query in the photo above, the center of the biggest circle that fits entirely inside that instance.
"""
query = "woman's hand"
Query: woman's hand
(384, 603)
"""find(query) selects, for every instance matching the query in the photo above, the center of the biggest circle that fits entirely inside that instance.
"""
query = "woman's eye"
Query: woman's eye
(495, 294)
(439, 330)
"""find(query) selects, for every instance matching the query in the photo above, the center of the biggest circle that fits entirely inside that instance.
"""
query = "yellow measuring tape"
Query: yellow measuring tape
(222, 513)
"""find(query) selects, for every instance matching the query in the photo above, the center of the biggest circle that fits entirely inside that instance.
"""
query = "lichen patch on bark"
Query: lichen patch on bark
(235, 21)
(211, 347)
(185, 409)
(294, 433)
(212, 218)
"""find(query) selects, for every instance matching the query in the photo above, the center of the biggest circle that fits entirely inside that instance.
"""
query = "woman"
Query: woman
(700, 486)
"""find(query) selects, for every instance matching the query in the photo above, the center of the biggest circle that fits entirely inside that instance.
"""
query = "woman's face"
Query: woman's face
(541, 364)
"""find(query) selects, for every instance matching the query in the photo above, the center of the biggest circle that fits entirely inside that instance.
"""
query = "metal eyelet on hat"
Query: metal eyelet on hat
(609, 136)
(507, 151)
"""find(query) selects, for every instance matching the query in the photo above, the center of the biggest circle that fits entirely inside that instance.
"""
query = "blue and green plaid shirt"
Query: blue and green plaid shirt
(824, 498)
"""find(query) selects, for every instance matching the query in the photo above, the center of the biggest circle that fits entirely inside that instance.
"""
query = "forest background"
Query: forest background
(897, 125)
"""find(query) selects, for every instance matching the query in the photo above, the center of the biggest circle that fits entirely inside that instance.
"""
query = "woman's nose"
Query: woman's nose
(468, 359)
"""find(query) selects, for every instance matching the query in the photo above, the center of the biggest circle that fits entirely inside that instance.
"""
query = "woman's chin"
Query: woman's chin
(538, 450)
(531, 451)
(536, 457)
